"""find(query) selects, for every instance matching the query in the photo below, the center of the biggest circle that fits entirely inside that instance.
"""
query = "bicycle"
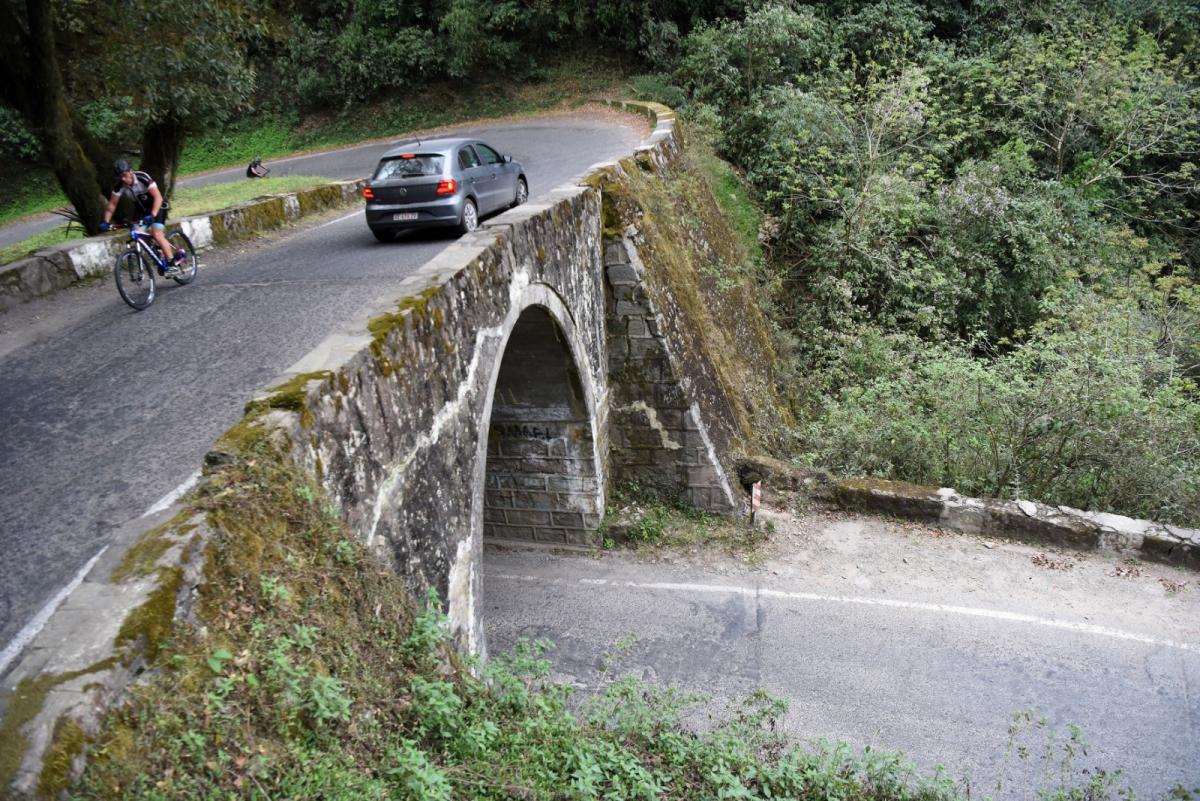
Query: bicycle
(135, 268)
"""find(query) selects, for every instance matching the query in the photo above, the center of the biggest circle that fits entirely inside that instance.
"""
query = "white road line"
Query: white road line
(172, 496)
(356, 213)
(26, 635)
(968, 611)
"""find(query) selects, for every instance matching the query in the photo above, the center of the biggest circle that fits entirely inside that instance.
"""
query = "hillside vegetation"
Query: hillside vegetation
(982, 236)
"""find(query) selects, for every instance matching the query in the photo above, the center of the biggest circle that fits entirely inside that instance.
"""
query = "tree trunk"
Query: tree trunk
(47, 108)
(99, 155)
(162, 145)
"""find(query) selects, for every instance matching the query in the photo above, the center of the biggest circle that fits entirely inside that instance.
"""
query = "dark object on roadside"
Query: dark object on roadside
(448, 183)
(255, 169)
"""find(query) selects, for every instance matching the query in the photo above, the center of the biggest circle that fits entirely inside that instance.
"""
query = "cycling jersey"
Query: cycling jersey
(138, 192)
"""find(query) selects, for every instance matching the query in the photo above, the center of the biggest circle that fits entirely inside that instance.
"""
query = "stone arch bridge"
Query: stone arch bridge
(527, 369)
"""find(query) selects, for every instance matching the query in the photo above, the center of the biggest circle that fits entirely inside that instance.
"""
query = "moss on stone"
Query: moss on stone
(381, 327)
(698, 275)
(319, 198)
(68, 742)
(292, 395)
(140, 560)
(24, 704)
(154, 618)
(246, 434)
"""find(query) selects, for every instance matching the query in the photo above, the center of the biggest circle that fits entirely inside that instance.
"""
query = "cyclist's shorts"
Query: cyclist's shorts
(159, 220)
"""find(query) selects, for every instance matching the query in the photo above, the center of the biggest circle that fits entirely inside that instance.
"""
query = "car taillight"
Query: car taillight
(368, 193)
(447, 187)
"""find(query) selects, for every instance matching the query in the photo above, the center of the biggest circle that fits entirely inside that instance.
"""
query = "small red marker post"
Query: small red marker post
(755, 500)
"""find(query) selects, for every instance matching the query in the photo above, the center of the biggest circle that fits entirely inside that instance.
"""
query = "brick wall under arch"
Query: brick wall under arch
(541, 483)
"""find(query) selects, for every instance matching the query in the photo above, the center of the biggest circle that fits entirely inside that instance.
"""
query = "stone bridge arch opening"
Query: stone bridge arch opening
(541, 482)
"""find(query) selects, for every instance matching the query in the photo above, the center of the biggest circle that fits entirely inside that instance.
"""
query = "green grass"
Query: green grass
(188, 202)
(53, 236)
(33, 191)
(734, 197)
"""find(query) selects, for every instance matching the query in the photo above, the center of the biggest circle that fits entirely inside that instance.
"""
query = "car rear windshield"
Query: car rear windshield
(412, 166)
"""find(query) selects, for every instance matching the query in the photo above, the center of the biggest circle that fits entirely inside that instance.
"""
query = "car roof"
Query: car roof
(438, 145)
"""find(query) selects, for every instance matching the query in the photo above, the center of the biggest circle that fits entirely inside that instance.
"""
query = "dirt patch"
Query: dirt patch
(846, 554)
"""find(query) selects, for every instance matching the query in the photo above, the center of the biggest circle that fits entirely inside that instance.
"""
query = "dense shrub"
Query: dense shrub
(985, 228)
(1086, 412)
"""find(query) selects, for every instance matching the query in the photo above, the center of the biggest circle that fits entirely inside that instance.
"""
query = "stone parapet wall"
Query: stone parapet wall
(396, 424)
(1023, 520)
(71, 262)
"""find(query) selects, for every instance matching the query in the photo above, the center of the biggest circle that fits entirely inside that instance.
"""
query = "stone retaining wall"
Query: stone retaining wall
(1023, 520)
(660, 440)
(62, 265)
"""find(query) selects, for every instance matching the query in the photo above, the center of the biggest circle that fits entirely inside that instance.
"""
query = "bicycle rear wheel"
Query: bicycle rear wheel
(187, 270)
(135, 279)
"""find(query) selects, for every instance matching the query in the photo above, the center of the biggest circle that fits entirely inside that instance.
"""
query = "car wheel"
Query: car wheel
(469, 220)
(384, 235)
(522, 192)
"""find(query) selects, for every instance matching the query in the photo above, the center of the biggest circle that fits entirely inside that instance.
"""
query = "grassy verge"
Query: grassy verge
(33, 191)
(270, 136)
(641, 519)
(733, 195)
(204, 199)
(188, 201)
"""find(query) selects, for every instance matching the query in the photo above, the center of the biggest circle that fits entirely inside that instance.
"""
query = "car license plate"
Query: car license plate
(404, 216)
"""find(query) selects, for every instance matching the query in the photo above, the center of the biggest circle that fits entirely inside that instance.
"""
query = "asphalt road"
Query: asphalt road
(105, 410)
(349, 163)
(930, 649)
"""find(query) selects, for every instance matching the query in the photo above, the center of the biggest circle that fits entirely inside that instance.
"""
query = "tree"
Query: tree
(34, 86)
(190, 76)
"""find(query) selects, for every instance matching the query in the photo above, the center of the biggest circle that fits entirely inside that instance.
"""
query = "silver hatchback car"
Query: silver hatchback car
(449, 183)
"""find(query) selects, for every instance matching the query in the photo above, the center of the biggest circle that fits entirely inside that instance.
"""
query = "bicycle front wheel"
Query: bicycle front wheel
(135, 279)
(187, 269)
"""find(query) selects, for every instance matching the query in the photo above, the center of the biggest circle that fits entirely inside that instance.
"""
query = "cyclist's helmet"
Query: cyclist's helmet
(121, 166)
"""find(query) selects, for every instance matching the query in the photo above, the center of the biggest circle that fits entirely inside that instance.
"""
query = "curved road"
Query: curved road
(926, 642)
(105, 410)
(352, 162)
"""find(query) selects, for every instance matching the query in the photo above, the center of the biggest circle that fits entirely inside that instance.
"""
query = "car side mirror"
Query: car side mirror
(508, 159)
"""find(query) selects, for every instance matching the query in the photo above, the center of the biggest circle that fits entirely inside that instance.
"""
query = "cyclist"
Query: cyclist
(141, 189)
(255, 169)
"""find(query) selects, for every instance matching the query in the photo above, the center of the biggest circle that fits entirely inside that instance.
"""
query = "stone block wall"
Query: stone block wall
(658, 440)
(541, 483)
(1022, 520)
